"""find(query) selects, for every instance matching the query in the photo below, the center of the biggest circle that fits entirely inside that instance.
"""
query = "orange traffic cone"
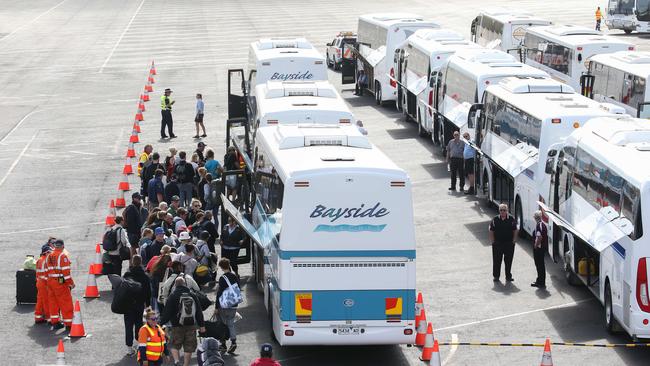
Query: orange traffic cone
(96, 268)
(138, 116)
(130, 152)
(152, 70)
(124, 184)
(120, 202)
(92, 291)
(134, 138)
(421, 330)
(77, 329)
(150, 80)
(148, 88)
(136, 128)
(60, 353)
(419, 305)
(128, 169)
(141, 106)
(547, 360)
(145, 96)
(110, 218)
(430, 352)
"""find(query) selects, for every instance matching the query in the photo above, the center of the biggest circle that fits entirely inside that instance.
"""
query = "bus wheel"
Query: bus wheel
(378, 93)
(520, 218)
(627, 31)
(272, 333)
(610, 323)
(421, 131)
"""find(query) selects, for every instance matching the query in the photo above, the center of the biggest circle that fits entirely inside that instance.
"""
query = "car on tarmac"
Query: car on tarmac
(336, 49)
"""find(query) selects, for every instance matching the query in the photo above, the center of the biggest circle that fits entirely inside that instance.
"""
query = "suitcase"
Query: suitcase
(25, 287)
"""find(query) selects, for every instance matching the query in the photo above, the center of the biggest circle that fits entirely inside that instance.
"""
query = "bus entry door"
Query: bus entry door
(237, 94)
(348, 66)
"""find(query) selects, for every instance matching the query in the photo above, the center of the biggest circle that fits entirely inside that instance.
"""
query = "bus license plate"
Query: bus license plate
(348, 330)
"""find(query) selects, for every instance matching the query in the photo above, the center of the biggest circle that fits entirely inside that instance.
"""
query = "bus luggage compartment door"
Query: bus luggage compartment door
(237, 94)
(348, 69)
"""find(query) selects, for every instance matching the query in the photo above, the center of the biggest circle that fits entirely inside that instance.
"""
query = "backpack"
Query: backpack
(125, 295)
(180, 172)
(110, 241)
(216, 188)
(186, 309)
(230, 297)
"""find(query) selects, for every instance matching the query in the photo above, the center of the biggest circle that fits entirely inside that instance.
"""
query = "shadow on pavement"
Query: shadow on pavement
(508, 288)
(23, 308)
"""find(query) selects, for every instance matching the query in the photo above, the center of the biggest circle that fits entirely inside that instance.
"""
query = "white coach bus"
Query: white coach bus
(600, 188)
(299, 102)
(521, 119)
(422, 57)
(621, 78)
(503, 29)
(465, 76)
(564, 51)
(335, 251)
(378, 37)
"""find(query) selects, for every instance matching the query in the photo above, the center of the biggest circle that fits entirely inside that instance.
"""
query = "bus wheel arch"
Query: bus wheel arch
(271, 331)
(611, 324)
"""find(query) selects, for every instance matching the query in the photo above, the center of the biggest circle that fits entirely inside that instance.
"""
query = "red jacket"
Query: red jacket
(265, 361)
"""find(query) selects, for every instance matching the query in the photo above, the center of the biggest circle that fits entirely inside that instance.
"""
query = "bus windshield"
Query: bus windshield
(643, 10)
(625, 7)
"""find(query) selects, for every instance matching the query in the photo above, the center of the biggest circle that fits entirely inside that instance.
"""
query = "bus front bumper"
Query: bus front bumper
(340, 333)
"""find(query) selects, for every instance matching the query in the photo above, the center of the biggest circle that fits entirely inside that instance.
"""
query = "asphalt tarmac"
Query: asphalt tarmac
(70, 75)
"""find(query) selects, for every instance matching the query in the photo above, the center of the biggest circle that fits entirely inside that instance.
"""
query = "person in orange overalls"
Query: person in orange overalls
(59, 285)
(42, 310)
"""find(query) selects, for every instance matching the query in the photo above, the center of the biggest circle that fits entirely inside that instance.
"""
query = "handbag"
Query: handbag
(125, 253)
(231, 296)
(161, 299)
(215, 328)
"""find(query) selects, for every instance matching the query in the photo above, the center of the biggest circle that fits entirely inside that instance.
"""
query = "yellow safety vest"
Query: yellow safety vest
(155, 345)
(143, 159)
(163, 105)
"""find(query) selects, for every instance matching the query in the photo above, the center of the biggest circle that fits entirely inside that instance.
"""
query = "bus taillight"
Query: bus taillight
(393, 83)
(430, 102)
(642, 286)
(631, 48)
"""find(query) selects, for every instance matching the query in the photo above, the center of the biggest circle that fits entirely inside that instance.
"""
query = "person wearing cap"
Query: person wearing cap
(59, 286)
(154, 248)
(166, 104)
(266, 357)
(174, 205)
(42, 310)
(134, 217)
(185, 239)
(198, 119)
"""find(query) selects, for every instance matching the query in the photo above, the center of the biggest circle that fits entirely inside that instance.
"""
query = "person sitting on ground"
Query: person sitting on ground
(266, 357)
(183, 310)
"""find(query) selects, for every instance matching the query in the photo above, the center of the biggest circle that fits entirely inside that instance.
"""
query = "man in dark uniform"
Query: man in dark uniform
(503, 231)
(540, 247)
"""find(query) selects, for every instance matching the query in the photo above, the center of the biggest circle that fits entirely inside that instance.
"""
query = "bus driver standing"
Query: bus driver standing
(503, 231)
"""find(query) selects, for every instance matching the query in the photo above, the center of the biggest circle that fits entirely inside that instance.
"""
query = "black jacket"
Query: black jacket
(185, 172)
(223, 285)
(232, 239)
(171, 189)
(148, 173)
(138, 274)
(171, 312)
(135, 217)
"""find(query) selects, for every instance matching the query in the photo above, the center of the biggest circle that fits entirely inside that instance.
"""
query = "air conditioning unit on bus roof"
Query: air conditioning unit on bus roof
(438, 35)
(636, 58)
(296, 136)
(623, 131)
(525, 85)
(485, 56)
(572, 30)
(283, 42)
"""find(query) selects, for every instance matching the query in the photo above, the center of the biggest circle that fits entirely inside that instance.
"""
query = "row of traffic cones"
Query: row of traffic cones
(430, 349)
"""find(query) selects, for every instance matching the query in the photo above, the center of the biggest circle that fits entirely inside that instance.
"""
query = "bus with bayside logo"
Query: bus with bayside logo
(335, 239)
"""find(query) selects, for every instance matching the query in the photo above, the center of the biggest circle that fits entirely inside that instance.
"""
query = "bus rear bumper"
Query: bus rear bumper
(340, 333)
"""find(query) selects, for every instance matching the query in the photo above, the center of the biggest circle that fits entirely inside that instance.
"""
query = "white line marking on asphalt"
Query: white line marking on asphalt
(19, 123)
(82, 152)
(452, 350)
(121, 36)
(13, 165)
(50, 228)
(32, 21)
(516, 314)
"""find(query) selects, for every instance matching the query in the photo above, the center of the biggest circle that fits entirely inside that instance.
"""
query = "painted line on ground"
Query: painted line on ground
(20, 156)
(5, 137)
(101, 69)
(31, 21)
(515, 314)
(51, 228)
(452, 350)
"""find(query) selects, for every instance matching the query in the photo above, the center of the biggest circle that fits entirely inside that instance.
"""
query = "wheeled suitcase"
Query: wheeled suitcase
(25, 287)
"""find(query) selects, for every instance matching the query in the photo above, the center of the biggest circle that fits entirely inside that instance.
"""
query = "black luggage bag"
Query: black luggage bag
(25, 287)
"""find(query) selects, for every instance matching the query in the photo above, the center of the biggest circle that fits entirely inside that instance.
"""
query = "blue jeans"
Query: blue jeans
(228, 318)
(186, 194)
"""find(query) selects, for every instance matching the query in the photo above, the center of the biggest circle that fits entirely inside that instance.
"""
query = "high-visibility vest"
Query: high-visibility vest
(58, 265)
(42, 272)
(141, 160)
(599, 15)
(163, 102)
(155, 344)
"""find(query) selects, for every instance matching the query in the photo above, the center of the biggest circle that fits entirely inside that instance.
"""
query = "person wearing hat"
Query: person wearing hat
(154, 248)
(174, 205)
(42, 310)
(166, 103)
(266, 357)
(59, 285)
(134, 217)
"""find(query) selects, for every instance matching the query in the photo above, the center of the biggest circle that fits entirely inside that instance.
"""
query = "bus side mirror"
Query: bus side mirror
(643, 110)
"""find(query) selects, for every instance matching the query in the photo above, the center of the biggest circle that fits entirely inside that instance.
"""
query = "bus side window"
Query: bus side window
(632, 209)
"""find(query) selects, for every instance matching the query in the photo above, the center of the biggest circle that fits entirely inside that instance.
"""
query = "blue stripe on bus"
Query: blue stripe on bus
(336, 305)
(288, 254)
(619, 249)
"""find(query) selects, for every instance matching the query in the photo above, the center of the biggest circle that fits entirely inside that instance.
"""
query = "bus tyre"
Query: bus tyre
(421, 131)
(610, 323)
(378, 93)
(627, 31)
(270, 310)
(571, 278)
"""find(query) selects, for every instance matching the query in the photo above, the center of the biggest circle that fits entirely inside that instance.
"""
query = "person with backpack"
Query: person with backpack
(168, 285)
(228, 297)
(266, 357)
(207, 353)
(133, 317)
(206, 225)
(134, 216)
(184, 312)
(187, 259)
(117, 246)
(185, 176)
(203, 255)
(216, 189)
